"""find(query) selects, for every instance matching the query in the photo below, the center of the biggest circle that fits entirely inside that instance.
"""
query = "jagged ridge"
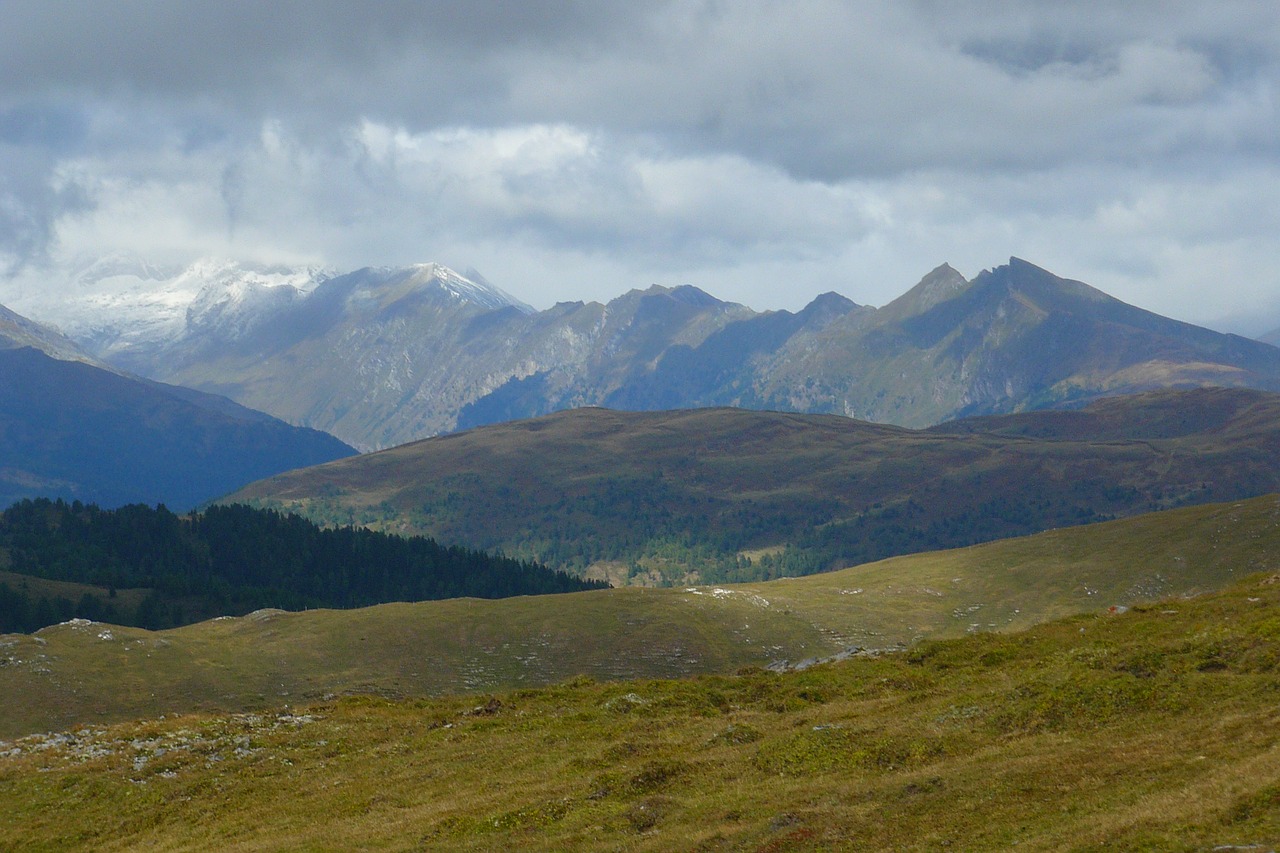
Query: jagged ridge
(382, 356)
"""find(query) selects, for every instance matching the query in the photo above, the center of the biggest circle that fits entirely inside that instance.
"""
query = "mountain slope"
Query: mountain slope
(1014, 338)
(384, 358)
(17, 332)
(733, 494)
(69, 429)
(615, 345)
(365, 355)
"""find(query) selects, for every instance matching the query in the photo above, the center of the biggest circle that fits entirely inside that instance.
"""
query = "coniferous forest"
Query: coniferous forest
(231, 560)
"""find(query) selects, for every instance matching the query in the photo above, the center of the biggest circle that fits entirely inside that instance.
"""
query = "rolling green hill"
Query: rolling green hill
(85, 672)
(719, 495)
(1154, 729)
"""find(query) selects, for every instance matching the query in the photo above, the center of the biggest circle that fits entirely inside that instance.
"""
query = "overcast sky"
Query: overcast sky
(764, 151)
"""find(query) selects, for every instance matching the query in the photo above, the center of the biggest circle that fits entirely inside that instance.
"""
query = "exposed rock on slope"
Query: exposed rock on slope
(17, 332)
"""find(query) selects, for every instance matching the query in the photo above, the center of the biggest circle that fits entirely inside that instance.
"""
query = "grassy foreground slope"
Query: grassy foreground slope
(1158, 728)
(734, 495)
(79, 673)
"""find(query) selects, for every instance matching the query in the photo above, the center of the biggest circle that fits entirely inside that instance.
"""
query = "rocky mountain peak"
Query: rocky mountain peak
(690, 295)
(941, 284)
(1039, 284)
(830, 304)
(477, 290)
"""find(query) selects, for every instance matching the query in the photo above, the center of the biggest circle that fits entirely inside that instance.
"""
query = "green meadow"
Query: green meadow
(1155, 728)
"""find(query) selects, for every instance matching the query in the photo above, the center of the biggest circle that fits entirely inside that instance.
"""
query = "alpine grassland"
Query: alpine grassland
(83, 671)
(1155, 728)
(1143, 716)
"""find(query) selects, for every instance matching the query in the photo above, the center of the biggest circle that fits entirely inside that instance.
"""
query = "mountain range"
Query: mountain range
(379, 357)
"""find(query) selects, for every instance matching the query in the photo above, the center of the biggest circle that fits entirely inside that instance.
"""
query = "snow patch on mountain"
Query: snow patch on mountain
(234, 300)
(474, 290)
(122, 302)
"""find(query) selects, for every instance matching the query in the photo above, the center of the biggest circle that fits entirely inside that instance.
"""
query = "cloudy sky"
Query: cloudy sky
(764, 151)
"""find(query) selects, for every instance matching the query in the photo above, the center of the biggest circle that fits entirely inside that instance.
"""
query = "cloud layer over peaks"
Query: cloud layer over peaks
(765, 151)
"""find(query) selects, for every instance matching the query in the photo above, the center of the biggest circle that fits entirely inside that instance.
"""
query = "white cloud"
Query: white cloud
(766, 151)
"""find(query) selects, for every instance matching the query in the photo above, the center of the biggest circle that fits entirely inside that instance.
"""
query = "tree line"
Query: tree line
(230, 560)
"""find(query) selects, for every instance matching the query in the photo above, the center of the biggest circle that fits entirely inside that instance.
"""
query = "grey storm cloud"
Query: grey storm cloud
(736, 141)
(31, 205)
(823, 89)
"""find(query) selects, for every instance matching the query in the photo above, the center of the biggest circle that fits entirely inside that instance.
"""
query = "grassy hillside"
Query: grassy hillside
(721, 495)
(1152, 729)
(81, 673)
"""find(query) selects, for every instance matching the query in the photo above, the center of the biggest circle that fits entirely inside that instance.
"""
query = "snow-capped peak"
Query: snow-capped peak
(473, 288)
(233, 298)
(119, 302)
